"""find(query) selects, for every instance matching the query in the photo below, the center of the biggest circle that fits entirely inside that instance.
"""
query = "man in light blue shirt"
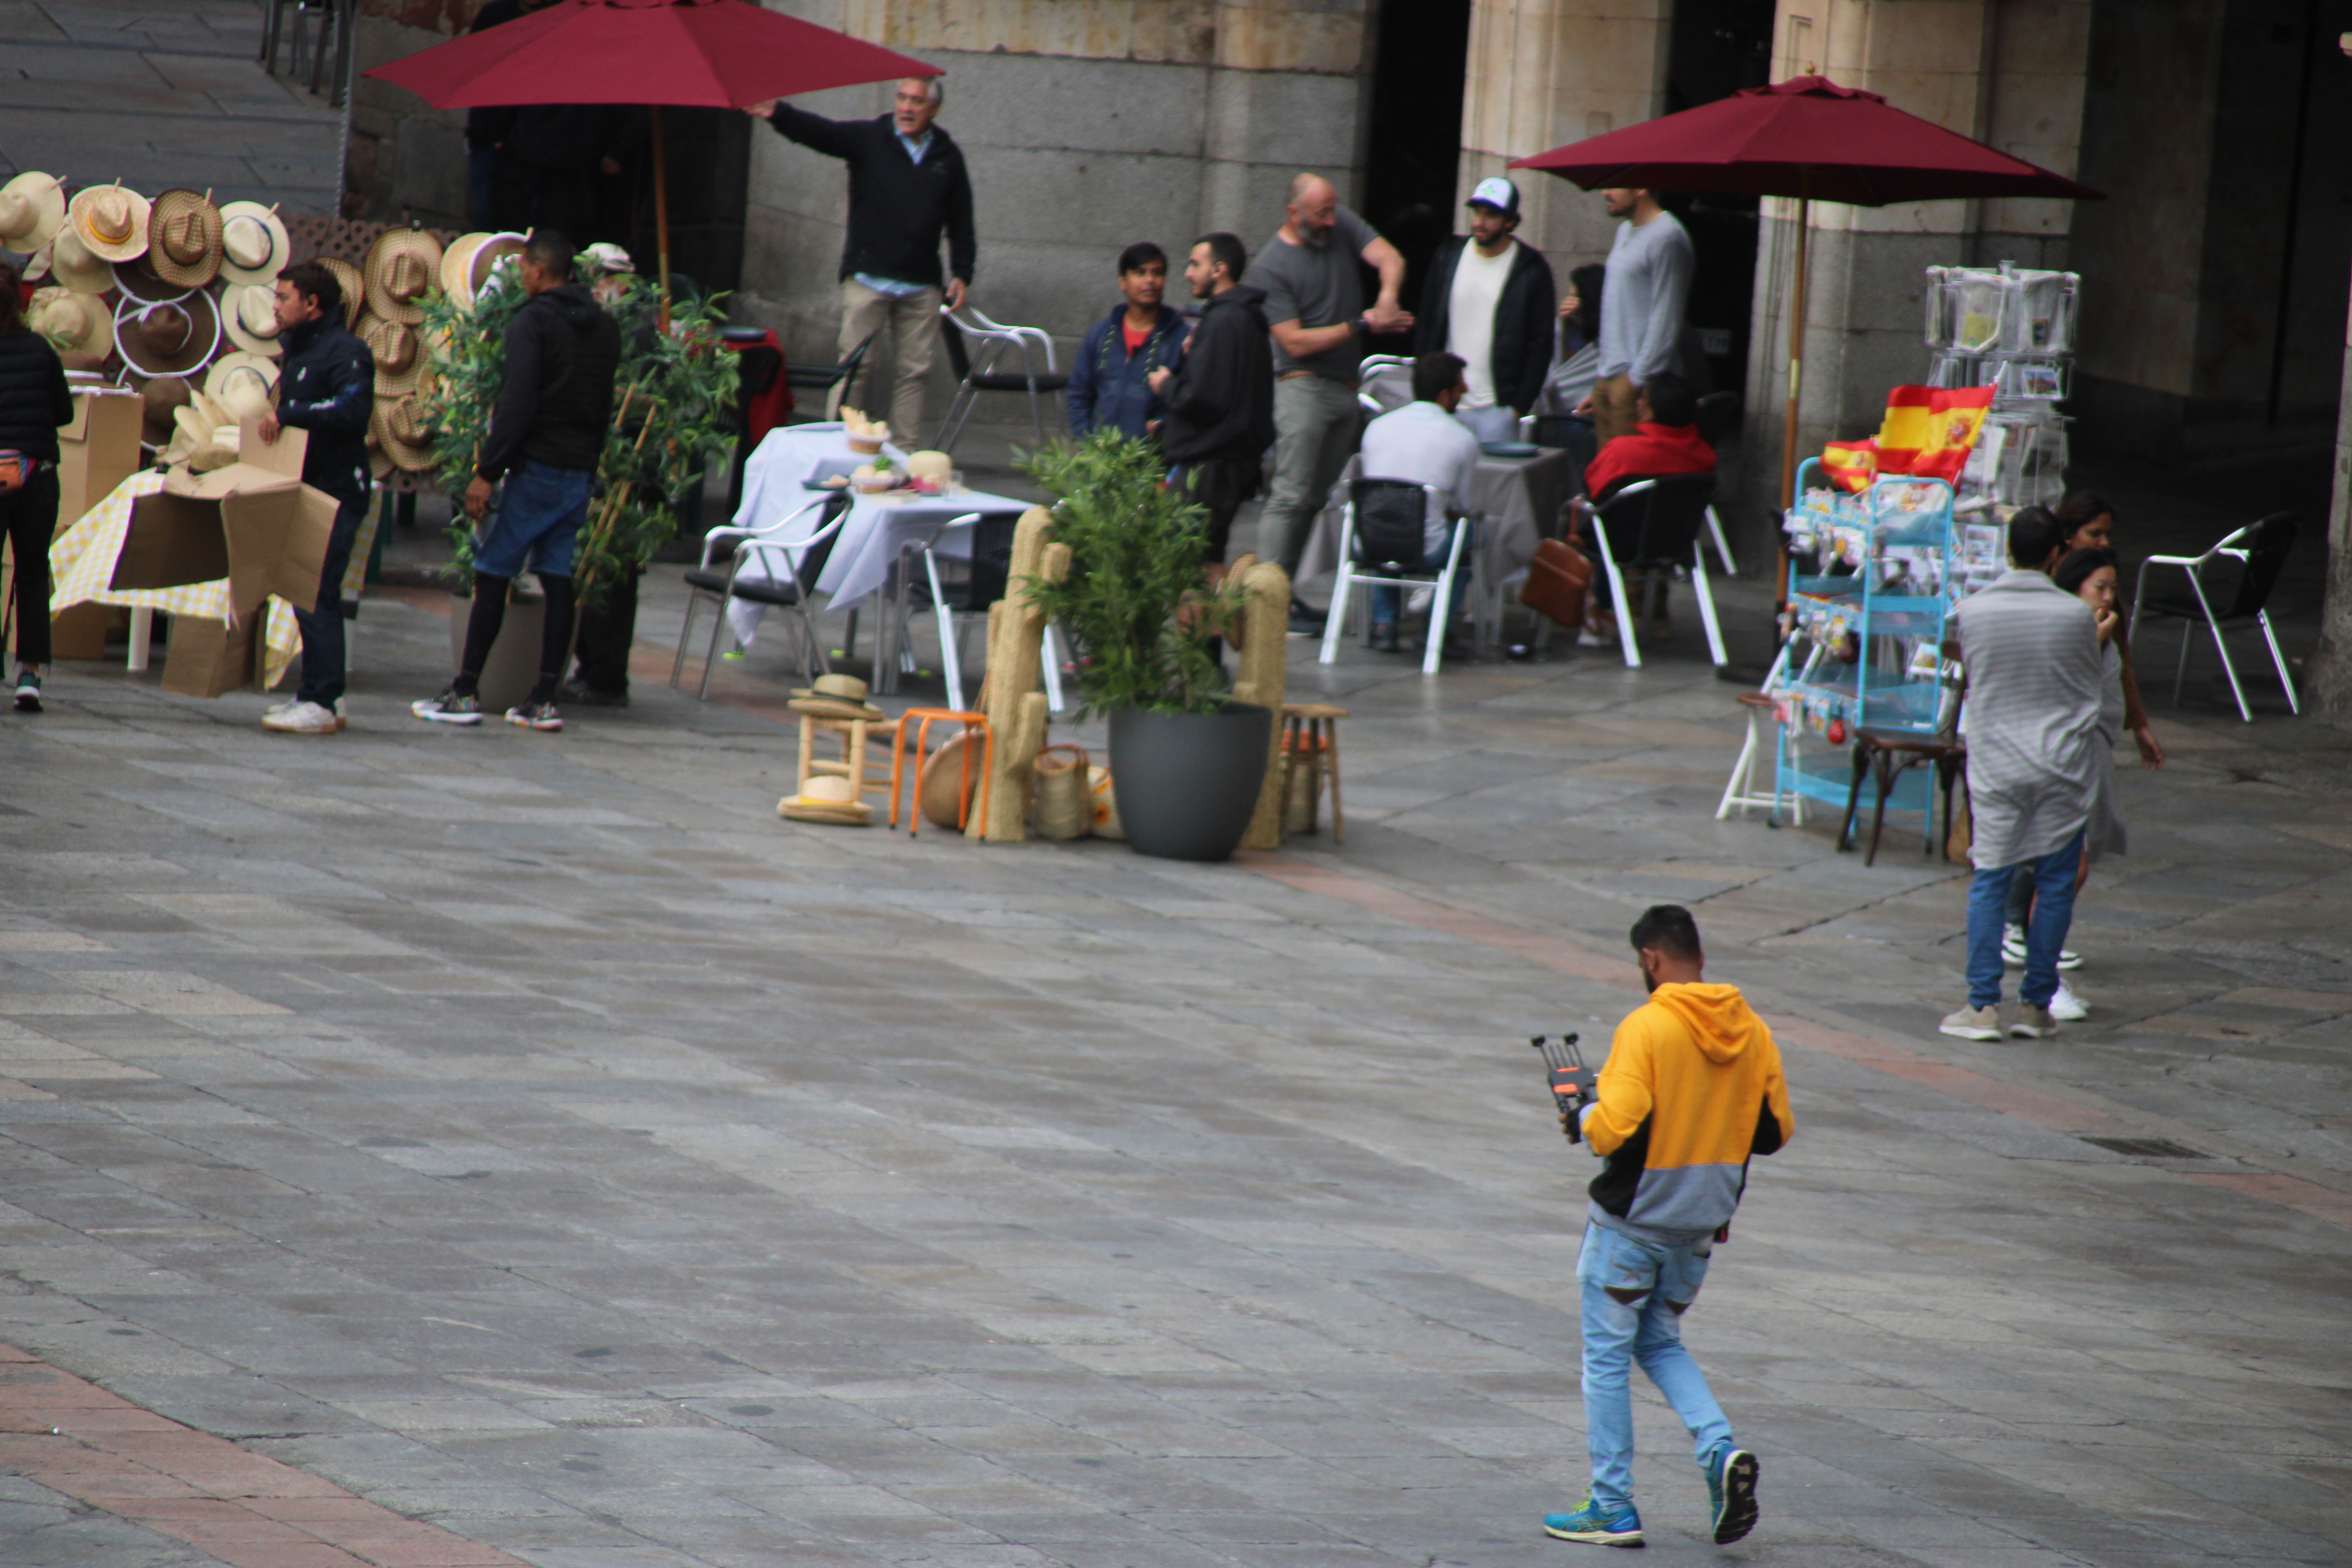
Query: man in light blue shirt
(1422, 443)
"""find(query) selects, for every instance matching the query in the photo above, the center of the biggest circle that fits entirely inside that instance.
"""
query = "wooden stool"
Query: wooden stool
(1739, 794)
(1310, 733)
(926, 717)
(1891, 753)
(820, 718)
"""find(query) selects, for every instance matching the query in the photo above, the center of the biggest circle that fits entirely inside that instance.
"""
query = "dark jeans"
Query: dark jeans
(482, 186)
(322, 624)
(606, 631)
(30, 517)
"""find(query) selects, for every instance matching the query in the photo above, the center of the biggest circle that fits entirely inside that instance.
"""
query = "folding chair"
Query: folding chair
(974, 376)
(2260, 550)
(982, 583)
(1655, 524)
(802, 557)
(825, 377)
(1380, 541)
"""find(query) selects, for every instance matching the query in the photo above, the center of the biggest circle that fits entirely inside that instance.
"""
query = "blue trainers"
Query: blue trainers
(1596, 1525)
(1731, 1490)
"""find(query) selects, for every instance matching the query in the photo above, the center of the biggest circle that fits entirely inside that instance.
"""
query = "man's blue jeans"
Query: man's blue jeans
(2045, 934)
(322, 623)
(1388, 599)
(1636, 1293)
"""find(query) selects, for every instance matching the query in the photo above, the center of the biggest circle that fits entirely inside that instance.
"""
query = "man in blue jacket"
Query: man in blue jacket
(1110, 383)
(326, 386)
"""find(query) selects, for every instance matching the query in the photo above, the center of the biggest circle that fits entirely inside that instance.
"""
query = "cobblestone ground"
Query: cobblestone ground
(538, 1139)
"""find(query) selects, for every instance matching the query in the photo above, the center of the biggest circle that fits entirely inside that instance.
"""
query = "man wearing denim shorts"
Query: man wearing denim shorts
(546, 436)
(1692, 1088)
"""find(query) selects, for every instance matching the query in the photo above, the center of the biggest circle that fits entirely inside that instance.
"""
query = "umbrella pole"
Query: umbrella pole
(661, 213)
(1796, 382)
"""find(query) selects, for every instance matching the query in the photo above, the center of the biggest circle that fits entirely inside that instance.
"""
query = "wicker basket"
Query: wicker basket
(1065, 806)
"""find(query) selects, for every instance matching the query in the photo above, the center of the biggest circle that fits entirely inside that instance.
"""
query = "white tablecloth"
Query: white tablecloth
(871, 535)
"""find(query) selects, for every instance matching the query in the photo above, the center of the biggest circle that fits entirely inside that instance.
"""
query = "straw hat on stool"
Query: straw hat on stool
(167, 340)
(75, 323)
(32, 210)
(111, 221)
(254, 245)
(354, 287)
(73, 267)
(827, 797)
(402, 267)
(250, 315)
(183, 239)
(244, 384)
(835, 697)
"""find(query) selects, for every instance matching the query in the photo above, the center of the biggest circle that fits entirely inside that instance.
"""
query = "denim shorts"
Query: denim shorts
(537, 523)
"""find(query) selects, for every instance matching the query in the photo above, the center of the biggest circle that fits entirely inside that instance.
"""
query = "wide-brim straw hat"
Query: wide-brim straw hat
(73, 322)
(397, 426)
(244, 383)
(827, 797)
(354, 287)
(255, 248)
(494, 264)
(401, 268)
(110, 220)
(160, 400)
(32, 210)
(184, 238)
(167, 340)
(249, 316)
(457, 265)
(72, 265)
(400, 357)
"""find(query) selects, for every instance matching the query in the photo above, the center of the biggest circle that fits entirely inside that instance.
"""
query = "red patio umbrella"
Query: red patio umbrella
(1811, 139)
(703, 54)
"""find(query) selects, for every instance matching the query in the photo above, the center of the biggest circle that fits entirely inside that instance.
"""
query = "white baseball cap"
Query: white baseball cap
(604, 257)
(1498, 193)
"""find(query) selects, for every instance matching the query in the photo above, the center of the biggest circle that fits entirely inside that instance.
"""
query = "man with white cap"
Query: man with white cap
(327, 387)
(1489, 302)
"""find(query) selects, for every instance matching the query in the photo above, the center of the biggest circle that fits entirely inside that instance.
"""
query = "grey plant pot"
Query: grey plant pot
(1187, 783)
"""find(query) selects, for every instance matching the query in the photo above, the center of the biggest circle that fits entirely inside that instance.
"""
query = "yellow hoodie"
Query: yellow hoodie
(1691, 1090)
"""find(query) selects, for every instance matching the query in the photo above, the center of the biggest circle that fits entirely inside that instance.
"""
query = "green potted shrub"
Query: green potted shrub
(1187, 761)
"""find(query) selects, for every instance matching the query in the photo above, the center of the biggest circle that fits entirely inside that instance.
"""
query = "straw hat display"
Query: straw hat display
(110, 220)
(204, 436)
(72, 265)
(402, 267)
(354, 287)
(32, 210)
(254, 245)
(244, 383)
(183, 239)
(826, 798)
(167, 340)
(74, 322)
(399, 356)
(468, 265)
(250, 315)
(835, 697)
(397, 428)
(160, 400)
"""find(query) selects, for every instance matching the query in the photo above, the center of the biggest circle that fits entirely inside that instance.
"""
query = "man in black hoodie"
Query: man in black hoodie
(1219, 402)
(906, 183)
(547, 433)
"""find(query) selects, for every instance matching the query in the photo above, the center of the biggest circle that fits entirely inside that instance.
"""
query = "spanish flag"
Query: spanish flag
(1850, 465)
(1929, 430)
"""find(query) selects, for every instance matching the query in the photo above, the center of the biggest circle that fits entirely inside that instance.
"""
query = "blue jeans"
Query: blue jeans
(322, 623)
(1636, 1293)
(2045, 934)
(1388, 599)
(537, 522)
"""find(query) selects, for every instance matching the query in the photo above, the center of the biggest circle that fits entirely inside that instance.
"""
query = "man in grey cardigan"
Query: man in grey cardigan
(2031, 721)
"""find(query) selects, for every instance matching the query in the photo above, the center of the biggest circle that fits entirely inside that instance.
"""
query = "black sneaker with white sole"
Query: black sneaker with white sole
(452, 707)
(29, 691)
(1732, 1489)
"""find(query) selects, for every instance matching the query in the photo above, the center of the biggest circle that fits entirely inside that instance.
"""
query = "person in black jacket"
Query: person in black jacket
(906, 183)
(547, 435)
(34, 400)
(486, 126)
(326, 386)
(1221, 400)
(1489, 301)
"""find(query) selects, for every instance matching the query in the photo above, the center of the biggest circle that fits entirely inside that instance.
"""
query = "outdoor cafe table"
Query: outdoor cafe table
(866, 553)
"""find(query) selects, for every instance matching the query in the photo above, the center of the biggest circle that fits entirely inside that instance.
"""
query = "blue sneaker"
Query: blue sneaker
(1731, 1490)
(1596, 1525)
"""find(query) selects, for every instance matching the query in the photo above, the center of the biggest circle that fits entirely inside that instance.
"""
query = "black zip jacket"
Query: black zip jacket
(896, 206)
(1221, 401)
(34, 397)
(327, 385)
(556, 402)
(1521, 356)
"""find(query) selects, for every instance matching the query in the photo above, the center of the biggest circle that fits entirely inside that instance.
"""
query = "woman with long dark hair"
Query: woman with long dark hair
(34, 400)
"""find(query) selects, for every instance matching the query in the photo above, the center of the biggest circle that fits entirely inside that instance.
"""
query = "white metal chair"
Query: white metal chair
(982, 582)
(2260, 549)
(1740, 793)
(1658, 522)
(1383, 382)
(975, 372)
(1381, 541)
(799, 557)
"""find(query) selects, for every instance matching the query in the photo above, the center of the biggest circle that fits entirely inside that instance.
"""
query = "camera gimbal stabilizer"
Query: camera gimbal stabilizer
(1572, 1081)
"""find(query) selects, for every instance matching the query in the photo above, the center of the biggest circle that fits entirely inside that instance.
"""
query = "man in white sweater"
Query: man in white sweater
(1642, 304)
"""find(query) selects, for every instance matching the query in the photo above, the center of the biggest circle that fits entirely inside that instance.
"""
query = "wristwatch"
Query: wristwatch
(1360, 327)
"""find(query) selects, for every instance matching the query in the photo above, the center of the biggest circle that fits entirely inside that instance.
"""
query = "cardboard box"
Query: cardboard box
(255, 523)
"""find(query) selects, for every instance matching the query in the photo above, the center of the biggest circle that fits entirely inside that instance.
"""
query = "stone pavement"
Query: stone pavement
(536, 1137)
(159, 93)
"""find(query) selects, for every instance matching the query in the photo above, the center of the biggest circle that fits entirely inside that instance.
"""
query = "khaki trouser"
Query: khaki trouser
(1316, 426)
(1613, 407)
(910, 330)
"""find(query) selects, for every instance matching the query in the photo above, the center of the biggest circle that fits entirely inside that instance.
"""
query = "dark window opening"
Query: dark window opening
(1413, 153)
(1718, 48)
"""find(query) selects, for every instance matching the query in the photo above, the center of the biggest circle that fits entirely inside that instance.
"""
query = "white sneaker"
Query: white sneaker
(342, 720)
(2013, 949)
(301, 718)
(2068, 1007)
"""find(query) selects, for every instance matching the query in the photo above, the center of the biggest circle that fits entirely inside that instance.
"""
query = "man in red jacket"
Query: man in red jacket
(1665, 441)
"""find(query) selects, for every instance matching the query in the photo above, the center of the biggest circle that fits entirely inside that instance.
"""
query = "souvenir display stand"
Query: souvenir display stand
(1873, 580)
(2010, 329)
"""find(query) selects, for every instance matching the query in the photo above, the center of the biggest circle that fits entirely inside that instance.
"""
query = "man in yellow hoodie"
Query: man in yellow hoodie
(1692, 1088)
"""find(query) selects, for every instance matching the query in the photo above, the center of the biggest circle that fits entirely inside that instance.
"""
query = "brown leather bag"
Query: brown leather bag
(1557, 580)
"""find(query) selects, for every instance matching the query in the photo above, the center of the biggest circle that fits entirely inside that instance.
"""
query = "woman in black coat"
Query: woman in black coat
(34, 402)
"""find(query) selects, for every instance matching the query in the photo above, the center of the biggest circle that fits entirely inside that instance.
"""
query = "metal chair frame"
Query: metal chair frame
(748, 543)
(825, 377)
(995, 340)
(1350, 574)
(1376, 367)
(2238, 546)
(951, 644)
(1625, 607)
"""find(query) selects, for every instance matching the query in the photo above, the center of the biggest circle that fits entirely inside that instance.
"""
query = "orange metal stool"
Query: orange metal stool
(918, 722)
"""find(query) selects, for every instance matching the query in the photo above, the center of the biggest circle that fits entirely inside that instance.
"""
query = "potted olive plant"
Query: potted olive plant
(1186, 761)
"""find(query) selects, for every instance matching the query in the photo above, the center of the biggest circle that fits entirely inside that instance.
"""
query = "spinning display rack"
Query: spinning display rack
(2013, 329)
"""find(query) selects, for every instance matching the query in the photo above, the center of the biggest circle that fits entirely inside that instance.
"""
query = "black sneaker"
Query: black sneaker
(1384, 638)
(28, 691)
(452, 707)
(540, 715)
(1306, 620)
(579, 696)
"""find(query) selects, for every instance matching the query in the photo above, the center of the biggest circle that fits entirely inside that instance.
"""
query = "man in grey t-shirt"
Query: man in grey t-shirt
(1641, 304)
(1315, 304)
